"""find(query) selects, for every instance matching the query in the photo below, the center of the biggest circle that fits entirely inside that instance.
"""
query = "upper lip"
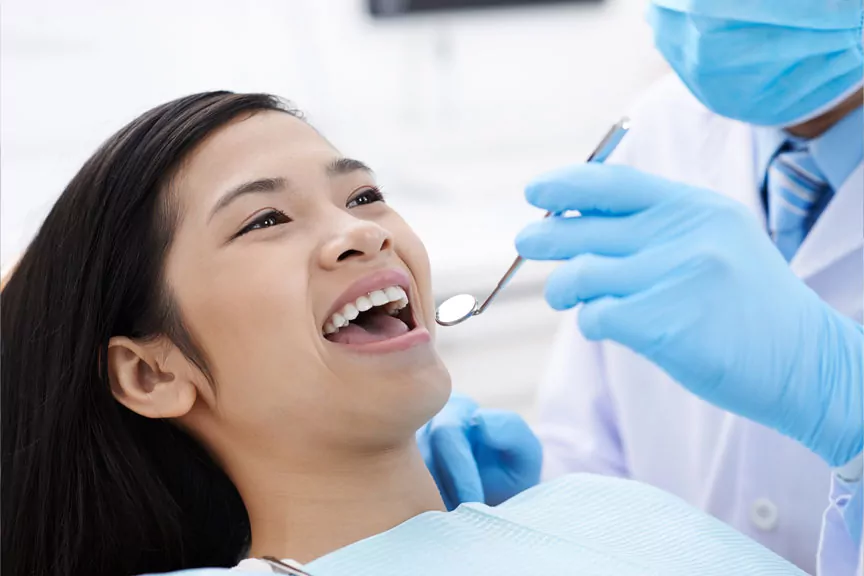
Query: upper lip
(376, 281)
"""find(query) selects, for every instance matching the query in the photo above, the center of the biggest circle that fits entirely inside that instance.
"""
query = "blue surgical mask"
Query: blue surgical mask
(765, 62)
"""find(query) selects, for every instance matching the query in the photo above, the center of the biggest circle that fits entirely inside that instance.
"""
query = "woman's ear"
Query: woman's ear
(151, 378)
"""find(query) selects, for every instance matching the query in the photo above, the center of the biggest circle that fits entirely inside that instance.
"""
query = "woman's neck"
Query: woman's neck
(305, 514)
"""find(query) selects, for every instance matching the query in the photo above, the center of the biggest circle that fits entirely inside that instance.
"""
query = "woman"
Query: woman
(219, 346)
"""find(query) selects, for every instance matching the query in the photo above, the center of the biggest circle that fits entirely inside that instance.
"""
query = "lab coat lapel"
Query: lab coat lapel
(837, 232)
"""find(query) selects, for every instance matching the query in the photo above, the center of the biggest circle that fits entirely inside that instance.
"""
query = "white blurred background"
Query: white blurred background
(455, 111)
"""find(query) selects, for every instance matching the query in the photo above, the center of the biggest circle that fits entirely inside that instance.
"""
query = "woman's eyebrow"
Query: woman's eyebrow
(342, 166)
(337, 167)
(261, 185)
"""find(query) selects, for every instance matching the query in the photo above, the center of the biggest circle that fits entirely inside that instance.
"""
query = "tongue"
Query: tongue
(376, 327)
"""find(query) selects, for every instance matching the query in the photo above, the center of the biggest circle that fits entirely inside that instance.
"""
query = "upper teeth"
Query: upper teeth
(393, 299)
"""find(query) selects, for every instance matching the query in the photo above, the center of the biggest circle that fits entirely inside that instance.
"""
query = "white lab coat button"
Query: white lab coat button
(763, 514)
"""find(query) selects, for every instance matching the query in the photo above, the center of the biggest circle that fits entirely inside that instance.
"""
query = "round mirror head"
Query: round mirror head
(456, 309)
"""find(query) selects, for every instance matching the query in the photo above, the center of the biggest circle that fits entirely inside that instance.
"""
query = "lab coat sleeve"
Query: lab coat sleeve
(576, 419)
(840, 550)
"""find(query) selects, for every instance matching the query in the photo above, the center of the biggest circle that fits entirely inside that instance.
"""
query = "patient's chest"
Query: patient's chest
(581, 524)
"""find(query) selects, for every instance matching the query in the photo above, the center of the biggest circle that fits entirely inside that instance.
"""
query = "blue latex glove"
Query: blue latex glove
(479, 455)
(688, 279)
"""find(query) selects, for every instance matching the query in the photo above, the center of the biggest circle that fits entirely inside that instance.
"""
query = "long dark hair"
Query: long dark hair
(89, 487)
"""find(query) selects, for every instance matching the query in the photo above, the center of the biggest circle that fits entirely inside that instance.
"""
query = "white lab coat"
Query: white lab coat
(602, 408)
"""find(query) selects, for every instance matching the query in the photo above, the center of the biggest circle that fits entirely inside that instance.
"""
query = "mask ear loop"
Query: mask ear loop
(281, 568)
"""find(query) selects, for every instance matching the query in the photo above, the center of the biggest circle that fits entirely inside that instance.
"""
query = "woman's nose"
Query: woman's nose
(356, 240)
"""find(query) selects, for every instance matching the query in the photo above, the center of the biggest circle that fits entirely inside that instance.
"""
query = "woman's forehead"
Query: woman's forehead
(267, 144)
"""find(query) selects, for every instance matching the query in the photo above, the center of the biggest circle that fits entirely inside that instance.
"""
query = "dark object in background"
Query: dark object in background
(389, 8)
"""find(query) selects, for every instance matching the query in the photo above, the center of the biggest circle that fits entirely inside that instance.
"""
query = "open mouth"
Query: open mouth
(374, 317)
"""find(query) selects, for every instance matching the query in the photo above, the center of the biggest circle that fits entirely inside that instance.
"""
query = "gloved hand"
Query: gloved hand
(479, 455)
(688, 279)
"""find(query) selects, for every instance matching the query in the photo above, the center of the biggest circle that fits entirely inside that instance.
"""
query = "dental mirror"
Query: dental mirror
(456, 309)
(459, 308)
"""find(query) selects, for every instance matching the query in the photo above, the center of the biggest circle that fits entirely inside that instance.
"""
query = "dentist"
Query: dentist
(719, 351)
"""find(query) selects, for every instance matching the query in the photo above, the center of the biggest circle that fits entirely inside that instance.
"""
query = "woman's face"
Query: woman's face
(280, 242)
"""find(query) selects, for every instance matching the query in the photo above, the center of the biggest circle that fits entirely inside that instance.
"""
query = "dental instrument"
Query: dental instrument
(460, 307)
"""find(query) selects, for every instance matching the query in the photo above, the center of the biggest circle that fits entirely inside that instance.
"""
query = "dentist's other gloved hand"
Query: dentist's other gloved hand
(689, 279)
(479, 455)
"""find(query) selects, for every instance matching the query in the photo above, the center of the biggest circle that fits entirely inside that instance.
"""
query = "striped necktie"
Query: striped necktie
(797, 194)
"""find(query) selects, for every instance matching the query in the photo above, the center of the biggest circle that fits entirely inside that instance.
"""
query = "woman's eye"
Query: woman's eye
(366, 196)
(265, 220)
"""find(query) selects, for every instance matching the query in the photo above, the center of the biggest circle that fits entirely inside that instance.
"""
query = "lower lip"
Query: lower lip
(415, 337)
